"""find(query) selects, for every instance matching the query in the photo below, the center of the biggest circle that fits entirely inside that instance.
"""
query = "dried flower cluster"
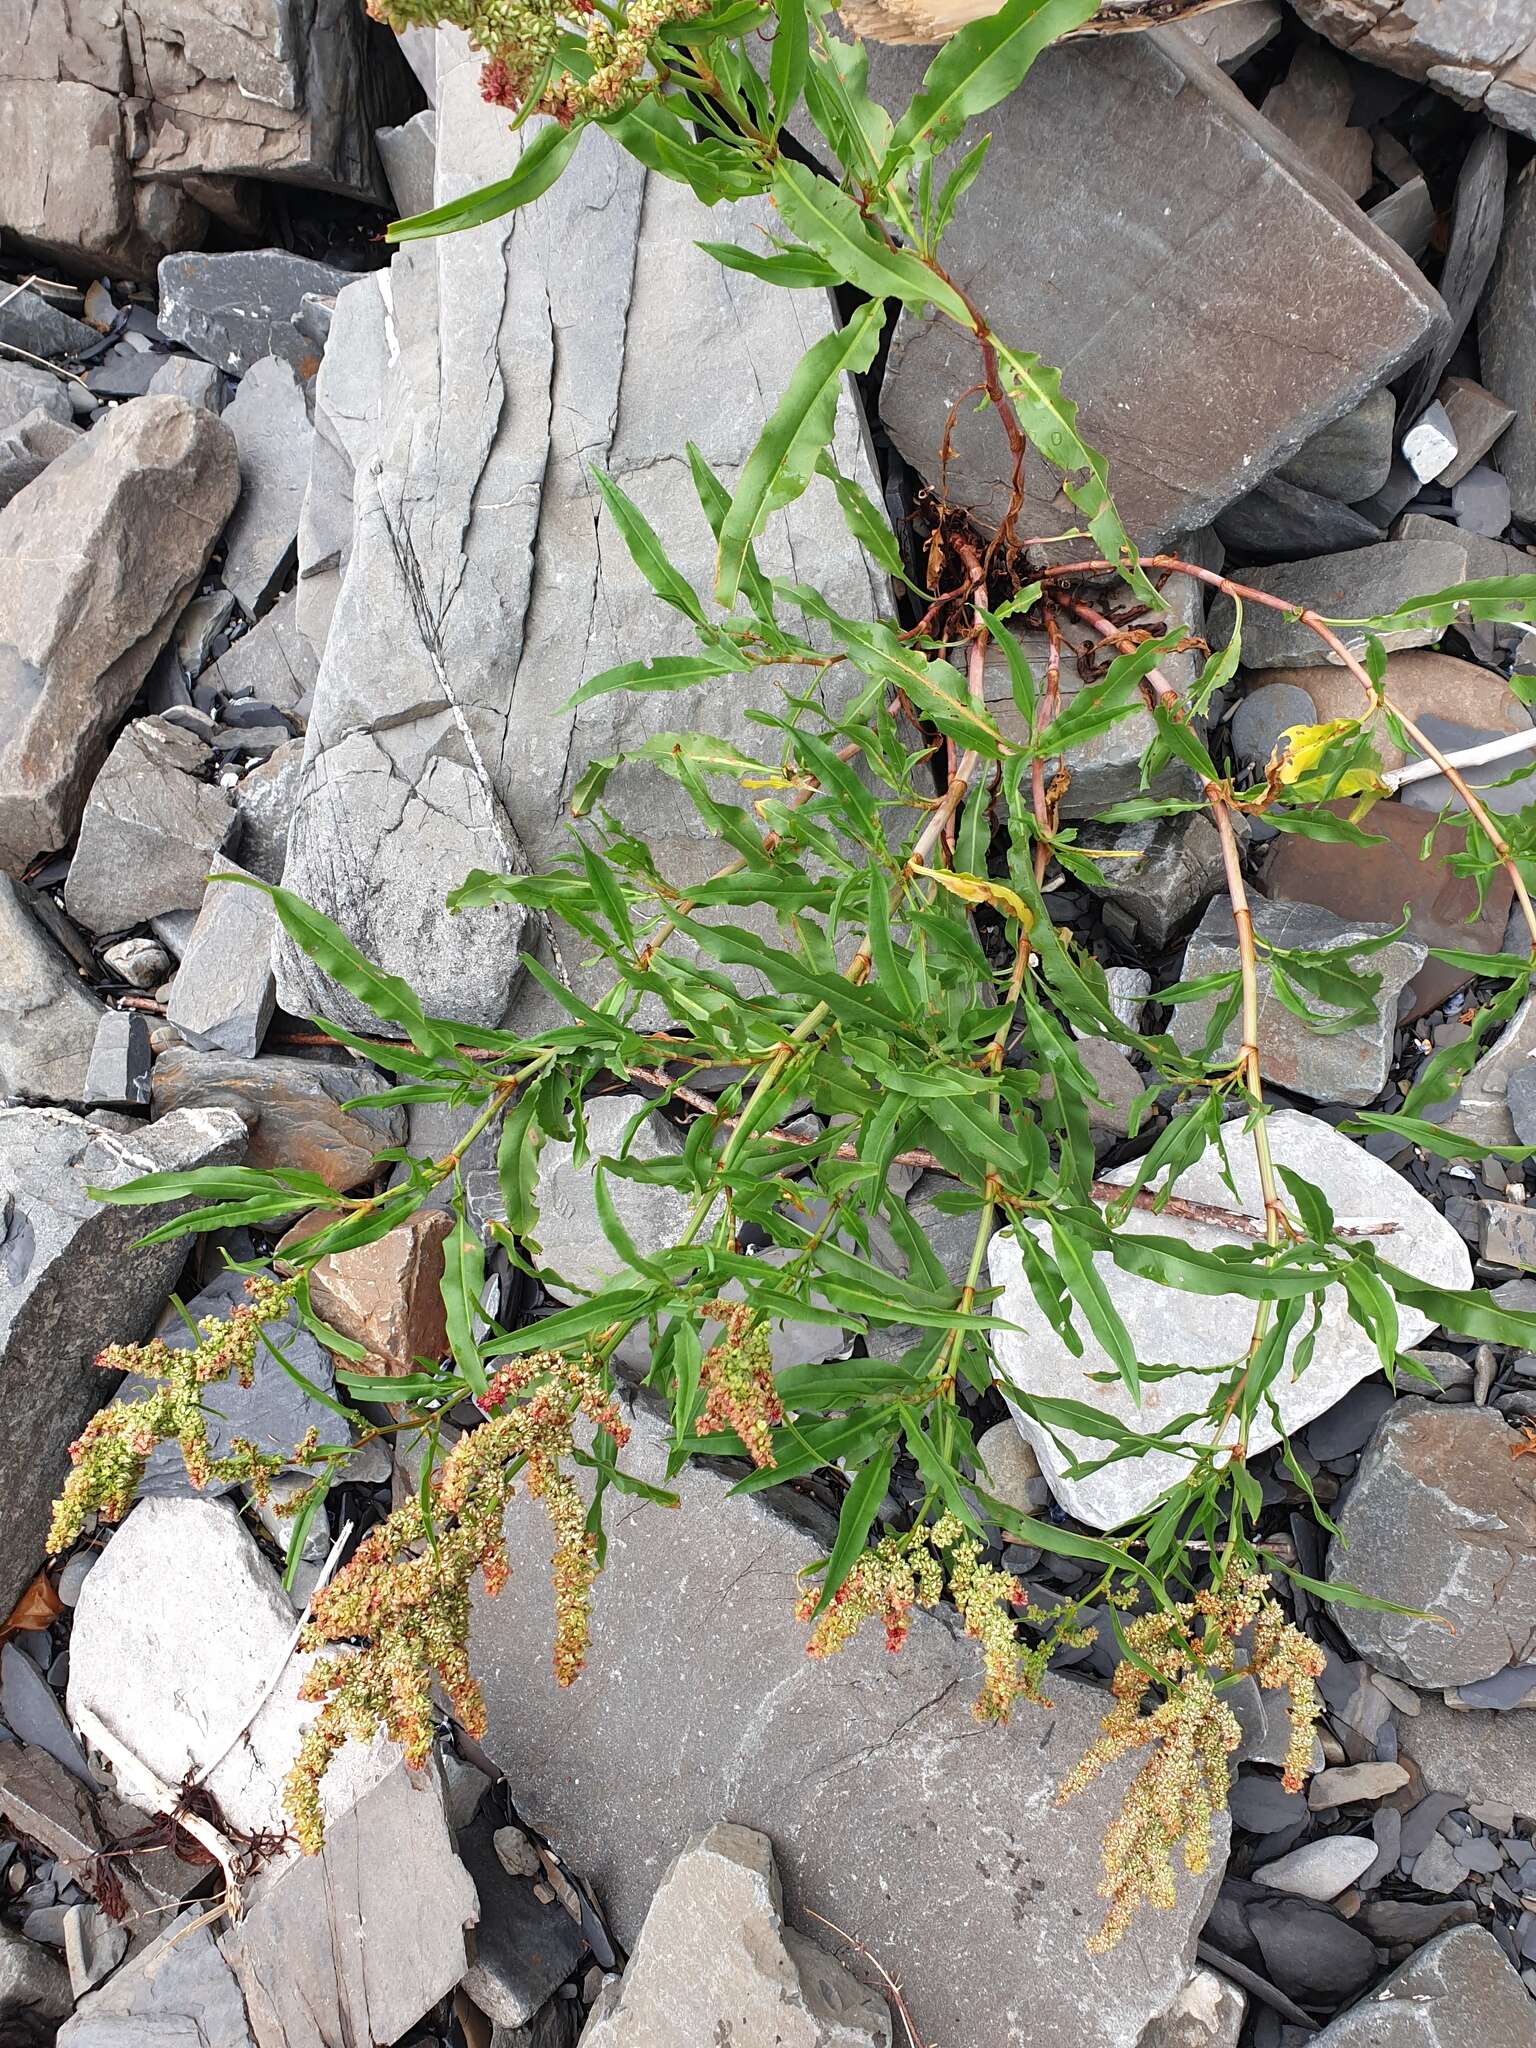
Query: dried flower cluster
(737, 1376)
(1178, 1655)
(899, 1573)
(109, 1456)
(404, 1594)
(521, 42)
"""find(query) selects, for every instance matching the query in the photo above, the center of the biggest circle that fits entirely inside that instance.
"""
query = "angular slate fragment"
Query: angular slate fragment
(232, 309)
(118, 1075)
(1182, 178)
(272, 431)
(48, 1017)
(221, 1000)
(71, 1281)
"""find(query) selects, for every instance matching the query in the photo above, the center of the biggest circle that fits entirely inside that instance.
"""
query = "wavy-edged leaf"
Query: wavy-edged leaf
(790, 269)
(802, 423)
(462, 1283)
(828, 221)
(542, 161)
(646, 550)
(978, 68)
(659, 672)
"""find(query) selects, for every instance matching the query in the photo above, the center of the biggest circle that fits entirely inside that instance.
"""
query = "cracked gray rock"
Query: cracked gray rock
(1252, 214)
(152, 830)
(893, 1811)
(270, 423)
(1457, 1991)
(72, 1281)
(1441, 1518)
(48, 1017)
(715, 1962)
(239, 306)
(482, 582)
(148, 490)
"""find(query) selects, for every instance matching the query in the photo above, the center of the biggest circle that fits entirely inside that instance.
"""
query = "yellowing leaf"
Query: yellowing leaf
(981, 889)
(1305, 745)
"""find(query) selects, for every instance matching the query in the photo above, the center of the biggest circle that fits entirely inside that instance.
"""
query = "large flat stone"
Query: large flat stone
(715, 1962)
(290, 1106)
(151, 831)
(1310, 1055)
(1198, 1332)
(178, 1993)
(483, 583)
(147, 491)
(1361, 584)
(177, 1632)
(270, 423)
(235, 308)
(892, 1811)
(48, 1017)
(349, 393)
(1484, 1758)
(1252, 216)
(71, 1281)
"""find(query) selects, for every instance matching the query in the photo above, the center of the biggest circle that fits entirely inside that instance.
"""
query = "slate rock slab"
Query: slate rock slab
(1328, 1064)
(222, 998)
(148, 491)
(439, 741)
(524, 1947)
(295, 99)
(355, 1944)
(152, 829)
(715, 1962)
(274, 1412)
(270, 423)
(1482, 1757)
(1351, 458)
(698, 1700)
(48, 1017)
(291, 1108)
(1458, 1991)
(177, 1993)
(29, 320)
(272, 664)
(27, 448)
(1441, 1517)
(235, 308)
(34, 1984)
(1252, 215)
(1379, 882)
(1359, 584)
(1195, 1332)
(1503, 319)
(71, 1282)
(177, 1631)
(349, 395)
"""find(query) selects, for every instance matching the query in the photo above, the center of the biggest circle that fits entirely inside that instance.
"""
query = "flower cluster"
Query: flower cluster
(404, 1594)
(522, 40)
(1181, 1653)
(109, 1456)
(898, 1573)
(737, 1376)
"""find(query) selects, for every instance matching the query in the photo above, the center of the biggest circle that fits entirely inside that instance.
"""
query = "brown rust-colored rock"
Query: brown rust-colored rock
(291, 1108)
(386, 1295)
(1376, 883)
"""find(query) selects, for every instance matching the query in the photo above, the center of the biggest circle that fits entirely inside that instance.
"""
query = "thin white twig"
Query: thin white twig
(143, 1785)
(201, 1777)
(1470, 757)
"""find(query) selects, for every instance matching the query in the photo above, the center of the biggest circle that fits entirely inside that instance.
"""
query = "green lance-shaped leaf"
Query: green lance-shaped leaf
(860, 1506)
(462, 1282)
(829, 222)
(978, 68)
(790, 269)
(663, 672)
(1049, 419)
(789, 56)
(389, 998)
(646, 550)
(1511, 599)
(541, 163)
(780, 466)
